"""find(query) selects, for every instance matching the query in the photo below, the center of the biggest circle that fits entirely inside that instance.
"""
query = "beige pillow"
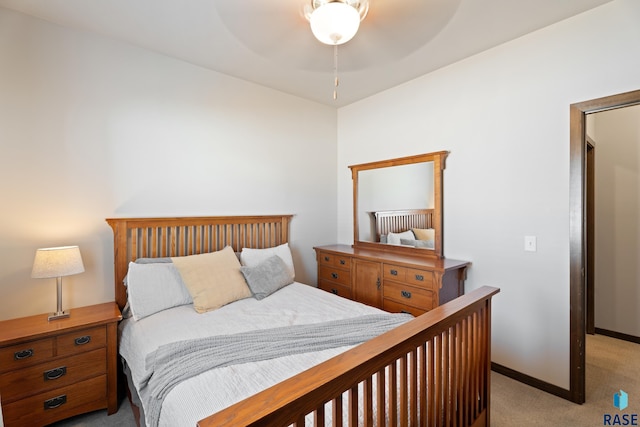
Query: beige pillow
(212, 279)
(424, 233)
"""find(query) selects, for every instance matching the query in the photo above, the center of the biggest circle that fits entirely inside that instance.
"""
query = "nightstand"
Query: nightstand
(51, 370)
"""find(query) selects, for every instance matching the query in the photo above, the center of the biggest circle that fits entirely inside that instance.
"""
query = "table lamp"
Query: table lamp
(57, 262)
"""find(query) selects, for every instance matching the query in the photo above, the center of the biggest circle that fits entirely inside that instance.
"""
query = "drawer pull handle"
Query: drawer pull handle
(342, 262)
(326, 258)
(83, 340)
(55, 402)
(334, 291)
(334, 275)
(23, 354)
(404, 311)
(54, 374)
(419, 277)
(378, 283)
(406, 294)
(394, 272)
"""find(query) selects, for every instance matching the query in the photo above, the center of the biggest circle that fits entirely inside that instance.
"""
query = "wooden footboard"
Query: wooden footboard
(431, 371)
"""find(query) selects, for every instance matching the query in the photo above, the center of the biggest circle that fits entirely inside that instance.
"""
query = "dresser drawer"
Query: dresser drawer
(80, 341)
(395, 307)
(53, 374)
(334, 288)
(329, 259)
(335, 275)
(422, 278)
(25, 354)
(410, 295)
(395, 272)
(47, 407)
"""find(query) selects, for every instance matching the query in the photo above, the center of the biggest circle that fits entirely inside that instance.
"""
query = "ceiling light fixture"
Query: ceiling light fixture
(335, 22)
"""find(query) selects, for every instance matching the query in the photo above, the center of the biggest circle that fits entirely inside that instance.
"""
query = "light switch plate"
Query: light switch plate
(530, 244)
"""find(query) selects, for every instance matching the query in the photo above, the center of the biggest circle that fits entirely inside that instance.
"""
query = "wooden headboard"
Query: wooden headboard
(402, 220)
(135, 238)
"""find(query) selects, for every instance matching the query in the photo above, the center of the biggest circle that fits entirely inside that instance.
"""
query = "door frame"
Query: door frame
(590, 236)
(577, 231)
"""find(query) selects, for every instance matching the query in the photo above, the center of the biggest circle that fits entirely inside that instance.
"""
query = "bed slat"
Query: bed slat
(337, 411)
(380, 401)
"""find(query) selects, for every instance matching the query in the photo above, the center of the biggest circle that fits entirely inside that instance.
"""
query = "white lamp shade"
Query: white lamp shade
(57, 262)
(334, 23)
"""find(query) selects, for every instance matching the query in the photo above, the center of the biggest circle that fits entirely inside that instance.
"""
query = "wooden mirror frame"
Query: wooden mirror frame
(438, 158)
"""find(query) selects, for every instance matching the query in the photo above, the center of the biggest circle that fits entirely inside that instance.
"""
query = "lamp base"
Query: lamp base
(59, 315)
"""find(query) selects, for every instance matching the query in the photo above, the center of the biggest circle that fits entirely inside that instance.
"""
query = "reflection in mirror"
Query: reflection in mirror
(398, 205)
(405, 187)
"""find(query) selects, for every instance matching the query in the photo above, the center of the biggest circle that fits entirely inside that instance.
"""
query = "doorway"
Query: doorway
(578, 220)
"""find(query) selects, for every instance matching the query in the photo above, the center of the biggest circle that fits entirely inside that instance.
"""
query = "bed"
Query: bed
(430, 370)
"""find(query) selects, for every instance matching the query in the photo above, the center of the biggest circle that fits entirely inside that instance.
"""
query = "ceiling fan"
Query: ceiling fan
(280, 30)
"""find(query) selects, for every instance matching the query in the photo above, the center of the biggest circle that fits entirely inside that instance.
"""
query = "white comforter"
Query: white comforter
(217, 389)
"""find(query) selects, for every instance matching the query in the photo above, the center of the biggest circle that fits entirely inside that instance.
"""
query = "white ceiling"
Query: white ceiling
(270, 43)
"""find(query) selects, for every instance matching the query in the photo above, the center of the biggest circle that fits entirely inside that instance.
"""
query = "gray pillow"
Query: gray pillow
(267, 277)
(429, 244)
(162, 260)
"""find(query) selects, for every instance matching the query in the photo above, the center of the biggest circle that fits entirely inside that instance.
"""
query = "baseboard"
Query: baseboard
(618, 335)
(530, 381)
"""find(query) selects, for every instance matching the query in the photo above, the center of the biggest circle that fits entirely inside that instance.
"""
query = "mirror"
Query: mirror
(398, 204)
(384, 190)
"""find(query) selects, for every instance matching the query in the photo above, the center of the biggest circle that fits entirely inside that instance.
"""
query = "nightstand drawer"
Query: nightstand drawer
(334, 288)
(56, 373)
(409, 295)
(25, 354)
(334, 275)
(80, 341)
(334, 260)
(45, 408)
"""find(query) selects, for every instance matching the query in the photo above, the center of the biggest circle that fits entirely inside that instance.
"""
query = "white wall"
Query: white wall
(92, 128)
(504, 117)
(617, 219)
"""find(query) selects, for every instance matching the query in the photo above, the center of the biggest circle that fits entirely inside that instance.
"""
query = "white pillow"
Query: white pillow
(394, 238)
(154, 287)
(253, 257)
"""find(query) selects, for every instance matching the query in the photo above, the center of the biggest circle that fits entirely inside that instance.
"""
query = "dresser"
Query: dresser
(51, 370)
(390, 281)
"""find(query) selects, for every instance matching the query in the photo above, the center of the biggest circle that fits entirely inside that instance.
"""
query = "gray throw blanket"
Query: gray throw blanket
(172, 363)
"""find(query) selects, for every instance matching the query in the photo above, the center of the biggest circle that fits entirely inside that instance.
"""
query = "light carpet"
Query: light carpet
(612, 365)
